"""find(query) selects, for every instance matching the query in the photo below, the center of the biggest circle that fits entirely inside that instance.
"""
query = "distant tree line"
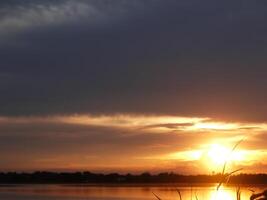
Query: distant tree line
(114, 178)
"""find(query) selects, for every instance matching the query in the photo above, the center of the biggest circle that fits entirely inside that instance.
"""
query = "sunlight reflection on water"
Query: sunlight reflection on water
(58, 192)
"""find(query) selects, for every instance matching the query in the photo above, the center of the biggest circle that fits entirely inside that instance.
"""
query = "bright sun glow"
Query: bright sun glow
(215, 155)
(219, 154)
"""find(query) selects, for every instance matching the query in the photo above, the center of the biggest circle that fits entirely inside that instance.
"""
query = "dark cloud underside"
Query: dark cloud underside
(194, 58)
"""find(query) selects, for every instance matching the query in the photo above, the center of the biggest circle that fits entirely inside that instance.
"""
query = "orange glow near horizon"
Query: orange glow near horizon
(154, 142)
(213, 156)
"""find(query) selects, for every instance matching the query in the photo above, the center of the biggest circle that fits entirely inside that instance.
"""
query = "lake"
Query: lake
(141, 192)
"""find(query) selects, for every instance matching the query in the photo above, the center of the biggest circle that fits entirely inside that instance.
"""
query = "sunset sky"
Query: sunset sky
(133, 85)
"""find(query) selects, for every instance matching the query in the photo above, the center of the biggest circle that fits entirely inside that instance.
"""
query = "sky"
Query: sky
(133, 86)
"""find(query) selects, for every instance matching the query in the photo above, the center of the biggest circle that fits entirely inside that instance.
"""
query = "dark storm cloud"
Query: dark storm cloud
(194, 58)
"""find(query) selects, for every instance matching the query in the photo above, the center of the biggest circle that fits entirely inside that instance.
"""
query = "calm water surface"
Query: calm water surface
(81, 192)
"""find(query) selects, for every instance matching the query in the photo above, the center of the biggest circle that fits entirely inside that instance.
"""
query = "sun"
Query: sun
(219, 154)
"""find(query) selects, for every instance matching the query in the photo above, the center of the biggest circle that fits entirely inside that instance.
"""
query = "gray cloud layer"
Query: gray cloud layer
(194, 58)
